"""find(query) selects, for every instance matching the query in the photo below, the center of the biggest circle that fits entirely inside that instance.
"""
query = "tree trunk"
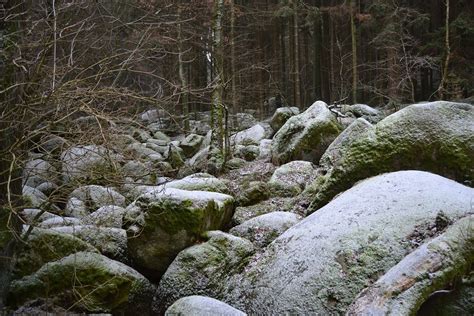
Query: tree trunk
(218, 152)
(232, 58)
(183, 73)
(442, 85)
(296, 47)
(428, 269)
(354, 53)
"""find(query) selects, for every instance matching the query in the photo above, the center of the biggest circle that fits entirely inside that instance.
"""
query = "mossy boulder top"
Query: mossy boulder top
(436, 137)
(162, 222)
(198, 182)
(252, 135)
(305, 136)
(282, 115)
(263, 229)
(204, 268)
(319, 265)
(87, 282)
(291, 178)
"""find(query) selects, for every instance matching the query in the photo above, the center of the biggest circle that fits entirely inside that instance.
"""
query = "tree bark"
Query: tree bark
(232, 58)
(354, 53)
(219, 151)
(442, 85)
(428, 269)
(296, 47)
(183, 73)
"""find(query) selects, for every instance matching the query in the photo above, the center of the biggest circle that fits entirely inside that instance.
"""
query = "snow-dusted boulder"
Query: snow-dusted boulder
(305, 136)
(164, 222)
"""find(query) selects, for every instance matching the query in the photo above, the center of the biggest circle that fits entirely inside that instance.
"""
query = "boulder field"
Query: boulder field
(325, 210)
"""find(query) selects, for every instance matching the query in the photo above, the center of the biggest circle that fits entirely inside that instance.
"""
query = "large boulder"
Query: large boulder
(282, 115)
(191, 144)
(291, 178)
(265, 149)
(305, 136)
(351, 134)
(252, 135)
(175, 156)
(204, 268)
(162, 222)
(255, 192)
(244, 121)
(201, 306)
(320, 265)
(110, 241)
(84, 162)
(141, 151)
(34, 197)
(51, 144)
(107, 216)
(38, 171)
(138, 171)
(92, 197)
(263, 229)
(364, 111)
(198, 182)
(86, 282)
(43, 246)
(248, 153)
(436, 137)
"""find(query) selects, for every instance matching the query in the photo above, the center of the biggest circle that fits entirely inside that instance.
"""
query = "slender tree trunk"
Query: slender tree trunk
(183, 73)
(354, 53)
(219, 150)
(331, 58)
(317, 58)
(284, 60)
(296, 47)
(232, 58)
(442, 85)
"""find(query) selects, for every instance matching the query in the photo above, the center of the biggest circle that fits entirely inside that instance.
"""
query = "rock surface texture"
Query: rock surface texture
(437, 137)
(164, 222)
(321, 264)
(305, 136)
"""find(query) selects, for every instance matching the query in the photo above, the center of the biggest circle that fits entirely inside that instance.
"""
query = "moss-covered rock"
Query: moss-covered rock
(263, 229)
(305, 136)
(84, 163)
(282, 115)
(257, 191)
(249, 153)
(191, 144)
(94, 197)
(436, 137)
(110, 241)
(351, 134)
(252, 135)
(87, 282)
(205, 268)
(364, 111)
(235, 163)
(164, 222)
(175, 156)
(321, 264)
(44, 245)
(291, 178)
(198, 182)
